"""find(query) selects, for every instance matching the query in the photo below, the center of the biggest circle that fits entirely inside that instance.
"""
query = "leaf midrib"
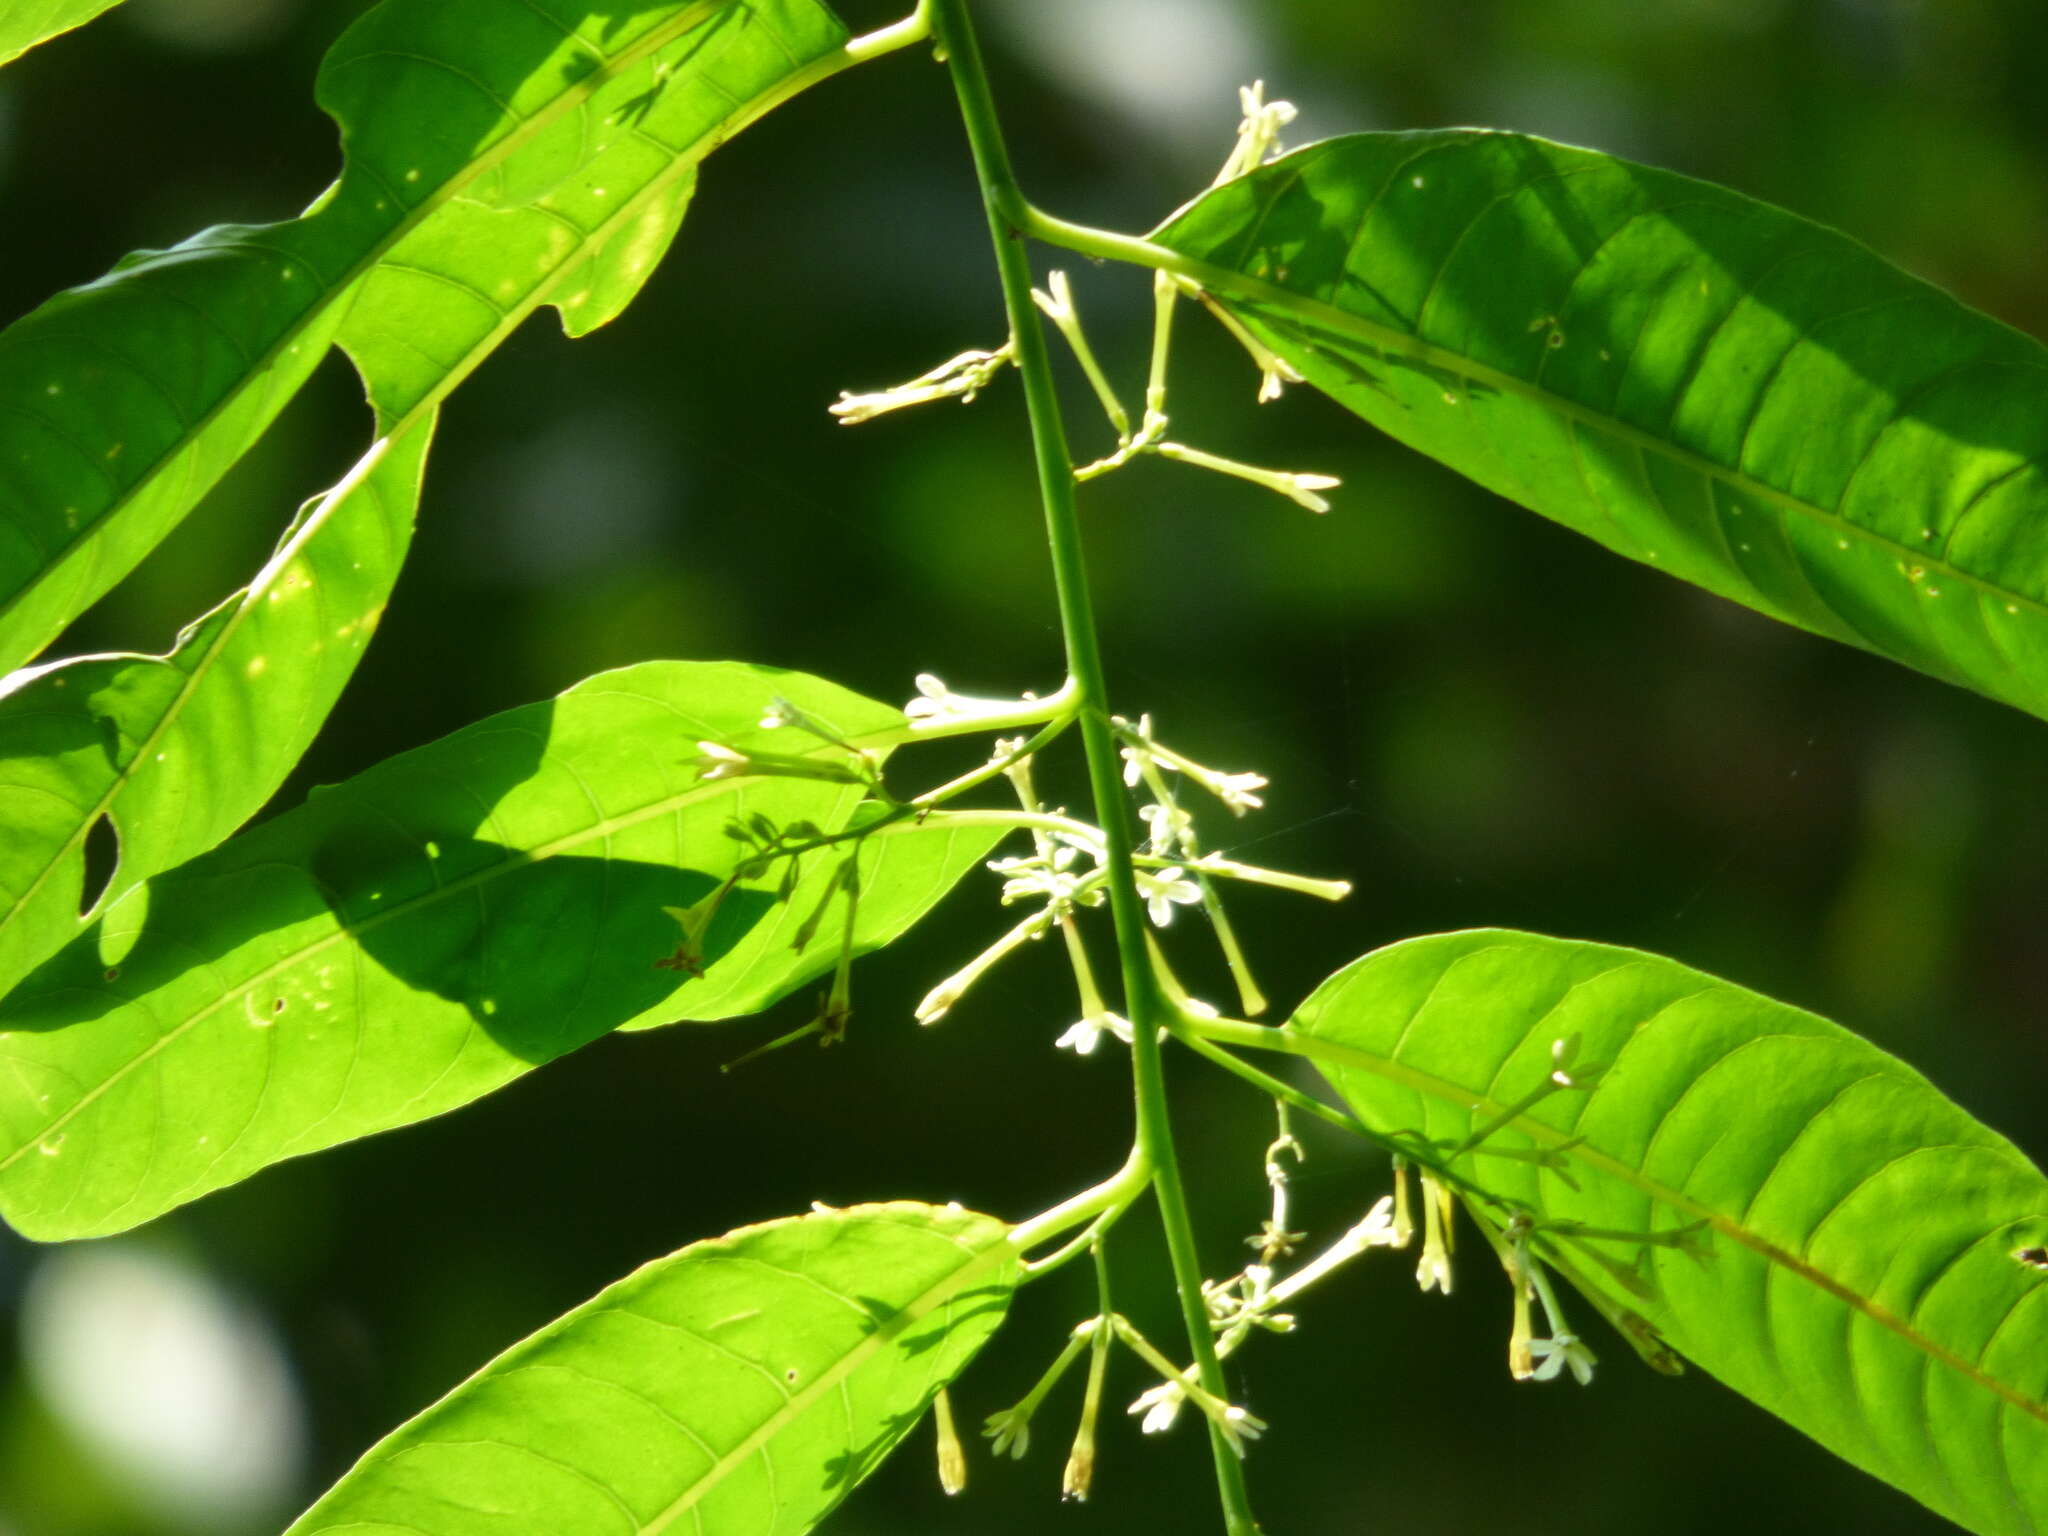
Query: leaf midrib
(1315, 1048)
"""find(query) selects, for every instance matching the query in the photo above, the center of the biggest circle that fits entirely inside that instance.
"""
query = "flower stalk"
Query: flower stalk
(1142, 1002)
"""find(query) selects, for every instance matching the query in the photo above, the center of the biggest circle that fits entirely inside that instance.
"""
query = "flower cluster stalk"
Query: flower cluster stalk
(1142, 1002)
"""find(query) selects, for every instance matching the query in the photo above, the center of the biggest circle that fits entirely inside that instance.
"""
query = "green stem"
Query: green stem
(1038, 821)
(1285, 1092)
(1205, 1036)
(911, 29)
(994, 768)
(1108, 1197)
(1142, 1002)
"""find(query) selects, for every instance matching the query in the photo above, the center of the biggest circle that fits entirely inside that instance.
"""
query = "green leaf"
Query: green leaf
(24, 23)
(1691, 378)
(741, 1387)
(179, 750)
(429, 931)
(84, 741)
(499, 155)
(1853, 1260)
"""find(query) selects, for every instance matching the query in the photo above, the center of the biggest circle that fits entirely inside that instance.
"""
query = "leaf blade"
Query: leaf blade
(585, 245)
(1859, 1227)
(122, 402)
(412, 939)
(176, 751)
(883, 1303)
(1689, 377)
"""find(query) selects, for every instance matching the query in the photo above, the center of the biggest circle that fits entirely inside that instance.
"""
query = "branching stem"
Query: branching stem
(1142, 1000)
(1111, 1195)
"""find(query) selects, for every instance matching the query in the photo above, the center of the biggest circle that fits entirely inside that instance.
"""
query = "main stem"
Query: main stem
(1142, 1000)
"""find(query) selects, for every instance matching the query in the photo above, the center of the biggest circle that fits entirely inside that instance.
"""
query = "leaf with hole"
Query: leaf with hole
(741, 1387)
(1692, 378)
(1816, 1224)
(432, 929)
(499, 155)
(205, 735)
(177, 751)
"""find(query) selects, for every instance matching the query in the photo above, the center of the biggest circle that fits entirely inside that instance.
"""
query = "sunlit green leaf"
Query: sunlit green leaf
(1835, 1239)
(499, 155)
(431, 930)
(741, 1387)
(24, 23)
(177, 751)
(1694, 379)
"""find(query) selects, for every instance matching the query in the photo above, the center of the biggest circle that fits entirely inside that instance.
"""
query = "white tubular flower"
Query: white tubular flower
(1280, 879)
(1274, 370)
(1235, 790)
(1079, 1475)
(952, 1456)
(1403, 1226)
(716, 761)
(1082, 1038)
(1521, 1342)
(934, 698)
(1377, 1229)
(936, 704)
(1566, 1071)
(1433, 1270)
(1035, 877)
(1089, 843)
(963, 377)
(1296, 486)
(1553, 1355)
(1275, 374)
(941, 998)
(779, 714)
(1165, 889)
(1258, 135)
(1135, 758)
(1239, 1425)
(1515, 1256)
(1164, 825)
(1160, 1406)
(953, 988)
(1058, 305)
(1301, 489)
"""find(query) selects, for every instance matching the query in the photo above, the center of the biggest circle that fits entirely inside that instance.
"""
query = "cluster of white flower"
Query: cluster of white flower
(1237, 791)
(1050, 877)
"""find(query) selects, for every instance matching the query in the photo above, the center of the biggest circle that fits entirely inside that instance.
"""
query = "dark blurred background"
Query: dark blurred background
(1477, 717)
